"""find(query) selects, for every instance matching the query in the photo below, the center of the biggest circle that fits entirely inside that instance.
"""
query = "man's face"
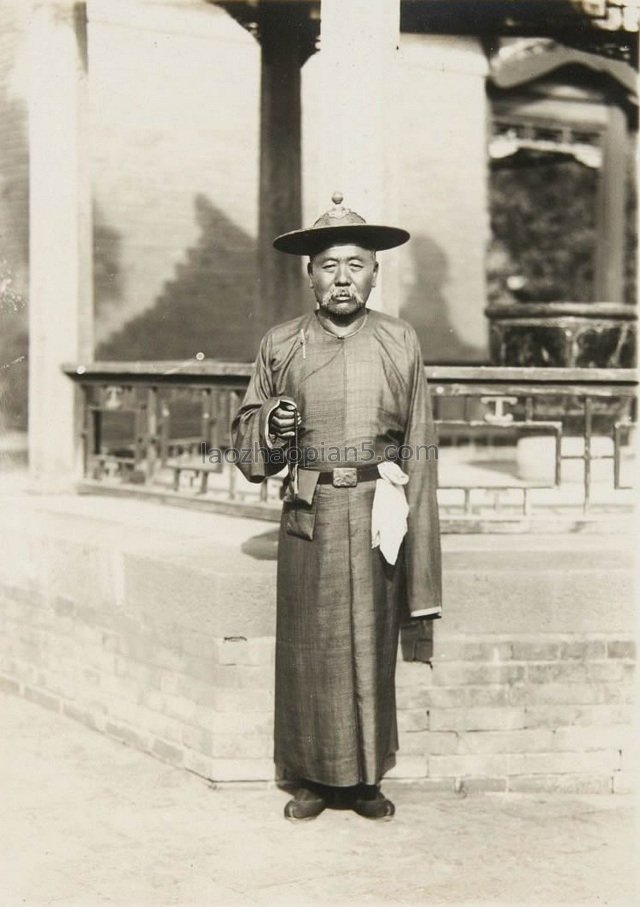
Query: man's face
(342, 278)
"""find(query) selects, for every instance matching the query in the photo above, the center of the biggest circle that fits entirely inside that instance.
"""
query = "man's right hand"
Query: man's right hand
(283, 419)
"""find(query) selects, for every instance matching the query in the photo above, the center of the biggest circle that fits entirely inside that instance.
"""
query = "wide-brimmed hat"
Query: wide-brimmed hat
(340, 225)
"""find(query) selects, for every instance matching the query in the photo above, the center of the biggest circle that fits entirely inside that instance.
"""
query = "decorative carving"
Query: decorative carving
(113, 398)
(498, 416)
(345, 477)
(569, 335)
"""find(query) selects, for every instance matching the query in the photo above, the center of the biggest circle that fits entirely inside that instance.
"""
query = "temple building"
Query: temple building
(504, 143)
(150, 150)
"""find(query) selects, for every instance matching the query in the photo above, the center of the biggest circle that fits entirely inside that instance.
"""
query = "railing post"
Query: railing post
(151, 443)
(587, 453)
(506, 490)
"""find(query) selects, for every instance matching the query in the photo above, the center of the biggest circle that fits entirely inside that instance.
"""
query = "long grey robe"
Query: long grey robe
(339, 604)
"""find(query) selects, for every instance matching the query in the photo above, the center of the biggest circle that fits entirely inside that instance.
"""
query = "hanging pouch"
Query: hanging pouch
(300, 513)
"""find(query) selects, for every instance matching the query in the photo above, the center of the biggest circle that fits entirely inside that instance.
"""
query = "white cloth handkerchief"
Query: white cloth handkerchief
(389, 511)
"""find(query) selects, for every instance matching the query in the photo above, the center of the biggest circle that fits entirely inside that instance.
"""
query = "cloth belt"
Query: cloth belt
(390, 508)
(347, 476)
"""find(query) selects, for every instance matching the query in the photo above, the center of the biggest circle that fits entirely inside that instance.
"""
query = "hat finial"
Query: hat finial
(338, 211)
(342, 226)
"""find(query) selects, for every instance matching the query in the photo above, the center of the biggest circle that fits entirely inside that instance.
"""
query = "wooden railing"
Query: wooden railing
(518, 448)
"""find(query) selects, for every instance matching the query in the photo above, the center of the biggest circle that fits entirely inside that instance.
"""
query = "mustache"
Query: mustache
(339, 293)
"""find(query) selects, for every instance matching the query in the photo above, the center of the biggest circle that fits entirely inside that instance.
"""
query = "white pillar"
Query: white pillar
(358, 137)
(444, 200)
(60, 267)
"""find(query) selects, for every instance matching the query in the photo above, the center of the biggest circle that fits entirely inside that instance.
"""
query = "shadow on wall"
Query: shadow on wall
(425, 307)
(207, 307)
(107, 270)
(14, 253)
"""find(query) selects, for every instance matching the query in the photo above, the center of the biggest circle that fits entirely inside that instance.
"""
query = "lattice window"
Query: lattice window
(513, 134)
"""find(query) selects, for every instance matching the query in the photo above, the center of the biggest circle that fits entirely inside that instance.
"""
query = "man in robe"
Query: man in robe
(340, 395)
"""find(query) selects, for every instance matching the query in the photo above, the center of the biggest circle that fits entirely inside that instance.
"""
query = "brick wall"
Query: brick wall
(177, 119)
(162, 639)
(174, 140)
(524, 714)
(174, 123)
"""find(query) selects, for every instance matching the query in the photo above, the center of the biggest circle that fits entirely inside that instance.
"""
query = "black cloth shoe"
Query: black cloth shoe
(307, 803)
(370, 802)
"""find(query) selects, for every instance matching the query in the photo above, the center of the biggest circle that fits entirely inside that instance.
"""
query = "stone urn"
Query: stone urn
(563, 334)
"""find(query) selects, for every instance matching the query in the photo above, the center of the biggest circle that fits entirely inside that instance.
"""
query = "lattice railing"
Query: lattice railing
(518, 448)
(612, 15)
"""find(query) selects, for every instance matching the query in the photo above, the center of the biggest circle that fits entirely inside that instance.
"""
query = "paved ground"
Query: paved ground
(87, 821)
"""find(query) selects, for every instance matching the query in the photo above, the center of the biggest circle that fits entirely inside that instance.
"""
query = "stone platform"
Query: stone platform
(155, 625)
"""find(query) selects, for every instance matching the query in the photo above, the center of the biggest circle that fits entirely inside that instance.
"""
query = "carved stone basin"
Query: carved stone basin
(578, 335)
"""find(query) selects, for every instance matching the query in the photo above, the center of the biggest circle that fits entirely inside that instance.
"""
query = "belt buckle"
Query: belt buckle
(345, 477)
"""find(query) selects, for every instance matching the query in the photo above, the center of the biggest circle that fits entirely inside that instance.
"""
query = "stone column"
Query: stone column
(611, 214)
(281, 288)
(60, 275)
(358, 59)
(444, 193)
